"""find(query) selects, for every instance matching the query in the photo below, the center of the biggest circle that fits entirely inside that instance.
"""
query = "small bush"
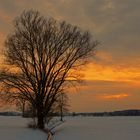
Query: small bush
(32, 124)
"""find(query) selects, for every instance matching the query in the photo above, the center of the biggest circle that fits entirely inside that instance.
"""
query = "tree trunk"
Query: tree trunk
(40, 119)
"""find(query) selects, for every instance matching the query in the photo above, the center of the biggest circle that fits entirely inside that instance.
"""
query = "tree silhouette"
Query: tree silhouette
(40, 54)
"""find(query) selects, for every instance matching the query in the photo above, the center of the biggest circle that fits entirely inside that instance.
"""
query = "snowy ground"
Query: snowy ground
(76, 128)
(99, 128)
(15, 128)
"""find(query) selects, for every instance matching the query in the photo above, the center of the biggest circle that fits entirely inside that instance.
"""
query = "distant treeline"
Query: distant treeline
(133, 112)
(10, 114)
(114, 113)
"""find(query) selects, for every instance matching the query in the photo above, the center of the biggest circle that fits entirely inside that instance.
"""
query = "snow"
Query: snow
(75, 128)
(15, 128)
(99, 128)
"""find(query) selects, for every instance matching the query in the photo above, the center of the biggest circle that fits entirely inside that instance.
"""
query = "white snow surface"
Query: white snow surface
(74, 128)
(99, 128)
(15, 128)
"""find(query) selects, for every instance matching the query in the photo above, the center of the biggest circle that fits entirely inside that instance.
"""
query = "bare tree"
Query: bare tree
(25, 107)
(62, 105)
(21, 104)
(40, 54)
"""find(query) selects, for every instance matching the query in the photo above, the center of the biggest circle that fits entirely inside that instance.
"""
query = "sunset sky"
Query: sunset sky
(112, 78)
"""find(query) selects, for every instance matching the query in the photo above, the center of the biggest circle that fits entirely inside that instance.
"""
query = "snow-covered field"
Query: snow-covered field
(15, 128)
(100, 128)
(75, 128)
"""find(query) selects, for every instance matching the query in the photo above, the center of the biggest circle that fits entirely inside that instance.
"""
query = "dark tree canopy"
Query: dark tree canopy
(40, 53)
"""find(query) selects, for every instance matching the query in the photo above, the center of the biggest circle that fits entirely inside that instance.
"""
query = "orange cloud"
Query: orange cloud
(109, 5)
(114, 96)
(104, 56)
(94, 71)
(4, 16)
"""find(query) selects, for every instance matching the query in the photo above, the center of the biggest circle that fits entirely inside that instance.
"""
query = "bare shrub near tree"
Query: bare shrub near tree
(40, 54)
